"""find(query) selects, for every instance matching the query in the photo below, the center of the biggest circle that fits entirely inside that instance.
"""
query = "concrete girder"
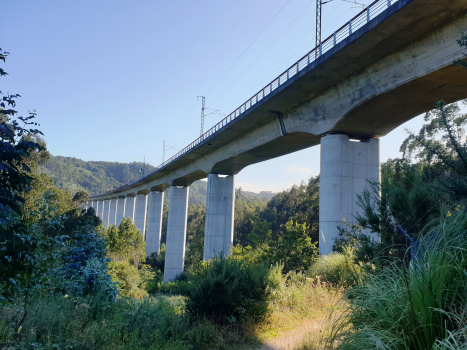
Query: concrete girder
(160, 188)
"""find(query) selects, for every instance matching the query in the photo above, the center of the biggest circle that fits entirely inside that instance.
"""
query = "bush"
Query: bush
(413, 307)
(55, 322)
(338, 269)
(229, 291)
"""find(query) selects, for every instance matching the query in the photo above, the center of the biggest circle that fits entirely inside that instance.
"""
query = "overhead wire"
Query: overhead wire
(340, 4)
(262, 52)
(267, 25)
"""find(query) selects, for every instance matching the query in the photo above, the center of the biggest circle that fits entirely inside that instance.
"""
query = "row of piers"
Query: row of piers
(347, 167)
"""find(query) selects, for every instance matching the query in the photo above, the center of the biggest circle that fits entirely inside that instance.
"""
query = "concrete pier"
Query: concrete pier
(101, 209)
(112, 212)
(346, 167)
(130, 208)
(120, 210)
(141, 206)
(176, 233)
(105, 213)
(220, 205)
(155, 212)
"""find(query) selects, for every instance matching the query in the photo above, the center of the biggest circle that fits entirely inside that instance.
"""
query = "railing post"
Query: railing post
(350, 27)
(368, 14)
(320, 48)
(389, 3)
(278, 82)
(308, 59)
(288, 73)
(334, 36)
(298, 65)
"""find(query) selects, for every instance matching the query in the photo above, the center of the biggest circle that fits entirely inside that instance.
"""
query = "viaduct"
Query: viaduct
(390, 63)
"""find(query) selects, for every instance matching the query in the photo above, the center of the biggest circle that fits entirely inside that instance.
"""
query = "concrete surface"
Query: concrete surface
(141, 206)
(176, 233)
(105, 213)
(130, 208)
(120, 210)
(154, 227)
(220, 205)
(112, 212)
(346, 168)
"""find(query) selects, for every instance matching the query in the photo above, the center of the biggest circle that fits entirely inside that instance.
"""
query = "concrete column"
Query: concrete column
(176, 233)
(112, 212)
(219, 227)
(101, 209)
(130, 208)
(105, 213)
(96, 207)
(120, 211)
(346, 167)
(155, 211)
(141, 206)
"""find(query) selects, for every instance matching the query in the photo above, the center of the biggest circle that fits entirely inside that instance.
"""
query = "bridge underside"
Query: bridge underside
(385, 112)
(392, 69)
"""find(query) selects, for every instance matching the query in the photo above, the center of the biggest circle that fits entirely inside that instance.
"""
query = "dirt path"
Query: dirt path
(308, 330)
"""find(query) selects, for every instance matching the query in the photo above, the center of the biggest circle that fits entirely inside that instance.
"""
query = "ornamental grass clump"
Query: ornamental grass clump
(412, 307)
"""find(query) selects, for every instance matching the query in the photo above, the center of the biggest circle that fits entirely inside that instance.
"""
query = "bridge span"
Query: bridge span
(390, 63)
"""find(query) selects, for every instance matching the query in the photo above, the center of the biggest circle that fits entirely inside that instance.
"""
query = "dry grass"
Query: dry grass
(300, 310)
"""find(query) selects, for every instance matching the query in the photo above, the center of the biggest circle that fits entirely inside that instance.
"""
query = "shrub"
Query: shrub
(229, 291)
(339, 269)
(411, 307)
(128, 279)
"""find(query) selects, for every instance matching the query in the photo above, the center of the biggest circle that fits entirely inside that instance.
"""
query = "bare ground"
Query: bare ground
(308, 331)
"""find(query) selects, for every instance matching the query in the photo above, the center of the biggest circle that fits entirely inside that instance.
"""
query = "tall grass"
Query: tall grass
(340, 270)
(293, 299)
(412, 307)
(159, 322)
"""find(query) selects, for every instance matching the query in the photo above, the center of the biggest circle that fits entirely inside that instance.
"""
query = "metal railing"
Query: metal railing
(370, 12)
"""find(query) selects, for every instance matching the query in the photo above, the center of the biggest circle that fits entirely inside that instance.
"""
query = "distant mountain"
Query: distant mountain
(73, 175)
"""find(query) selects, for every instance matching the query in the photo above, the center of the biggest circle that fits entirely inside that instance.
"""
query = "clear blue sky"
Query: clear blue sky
(110, 80)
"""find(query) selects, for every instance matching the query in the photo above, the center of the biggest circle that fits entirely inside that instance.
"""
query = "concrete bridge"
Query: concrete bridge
(388, 64)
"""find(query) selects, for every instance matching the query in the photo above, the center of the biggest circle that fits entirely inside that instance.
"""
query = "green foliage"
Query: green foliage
(412, 307)
(155, 323)
(131, 282)
(228, 291)
(408, 197)
(195, 234)
(299, 203)
(339, 269)
(294, 248)
(126, 243)
(81, 197)
(442, 143)
(76, 175)
(365, 249)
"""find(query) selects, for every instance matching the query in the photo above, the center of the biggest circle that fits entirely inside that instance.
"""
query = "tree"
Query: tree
(81, 197)
(442, 143)
(126, 243)
(294, 248)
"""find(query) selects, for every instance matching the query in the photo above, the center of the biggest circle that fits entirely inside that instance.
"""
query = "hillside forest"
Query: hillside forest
(67, 281)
